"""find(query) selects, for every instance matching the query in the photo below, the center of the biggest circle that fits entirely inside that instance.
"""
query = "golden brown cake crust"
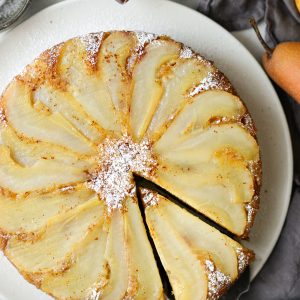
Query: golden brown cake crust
(45, 69)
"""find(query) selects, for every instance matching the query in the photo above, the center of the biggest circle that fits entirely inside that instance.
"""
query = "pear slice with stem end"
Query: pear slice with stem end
(210, 169)
(220, 259)
(235, 142)
(146, 89)
(18, 179)
(183, 74)
(29, 213)
(62, 102)
(112, 63)
(26, 152)
(298, 4)
(92, 93)
(201, 111)
(116, 257)
(39, 125)
(186, 274)
(50, 248)
(145, 279)
(86, 276)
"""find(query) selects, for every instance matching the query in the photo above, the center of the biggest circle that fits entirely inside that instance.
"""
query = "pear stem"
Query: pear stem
(262, 41)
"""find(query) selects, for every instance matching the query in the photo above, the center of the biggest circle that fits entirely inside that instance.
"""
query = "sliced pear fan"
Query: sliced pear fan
(19, 179)
(58, 101)
(26, 214)
(191, 251)
(74, 67)
(51, 247)
(26, 152)
(77, 126)
(176, 82)
(207, 164)
(40, 125)
(146, 88)
(87, 275)
(132, 268)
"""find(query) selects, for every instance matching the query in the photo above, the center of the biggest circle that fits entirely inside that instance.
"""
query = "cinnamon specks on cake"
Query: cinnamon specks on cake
(217, 281)
(52, 55)
(118, 159)
(213, 81)
(92, 44)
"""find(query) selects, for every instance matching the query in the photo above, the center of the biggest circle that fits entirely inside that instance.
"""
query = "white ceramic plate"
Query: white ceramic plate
(75, 17)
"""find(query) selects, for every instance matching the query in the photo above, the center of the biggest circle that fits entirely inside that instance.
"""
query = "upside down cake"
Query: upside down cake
(79, 124)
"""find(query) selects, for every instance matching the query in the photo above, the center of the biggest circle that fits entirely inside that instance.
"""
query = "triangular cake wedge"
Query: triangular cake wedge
(201, 262)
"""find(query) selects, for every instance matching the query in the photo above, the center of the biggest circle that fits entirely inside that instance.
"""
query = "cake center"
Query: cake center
(117, 161)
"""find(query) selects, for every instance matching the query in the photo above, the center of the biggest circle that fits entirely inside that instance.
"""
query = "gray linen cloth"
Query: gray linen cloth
(280, 277)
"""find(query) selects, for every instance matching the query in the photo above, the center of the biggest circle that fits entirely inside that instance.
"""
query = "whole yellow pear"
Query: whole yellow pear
(283, 66)
(282, 63)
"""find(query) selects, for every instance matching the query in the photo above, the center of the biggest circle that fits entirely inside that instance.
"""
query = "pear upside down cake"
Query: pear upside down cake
(79, 125)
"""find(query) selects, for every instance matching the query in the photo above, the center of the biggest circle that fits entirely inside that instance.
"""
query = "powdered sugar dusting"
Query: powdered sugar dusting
(118, 159)
(94, 294)
(250, 213)
(243, 259)
(149, 198)
(67, 188)
(143, 38)
(92, 43)
(213, 81)
(217, 281)
(186, 52)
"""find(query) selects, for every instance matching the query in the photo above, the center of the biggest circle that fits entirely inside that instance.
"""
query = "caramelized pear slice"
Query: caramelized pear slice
(206, 191)
(146, 88)
(229, 141)
(176, 83)
(27, 152)
(210, 170)
(114, 53)
(25, 214)
(51, 247)
(198, 113)
(173, 228)
(145, 281)
(116, 257)
(87, 275)
(40, 125)
(58, 101)
(186, 274)
(74, 68)
(18, 179)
